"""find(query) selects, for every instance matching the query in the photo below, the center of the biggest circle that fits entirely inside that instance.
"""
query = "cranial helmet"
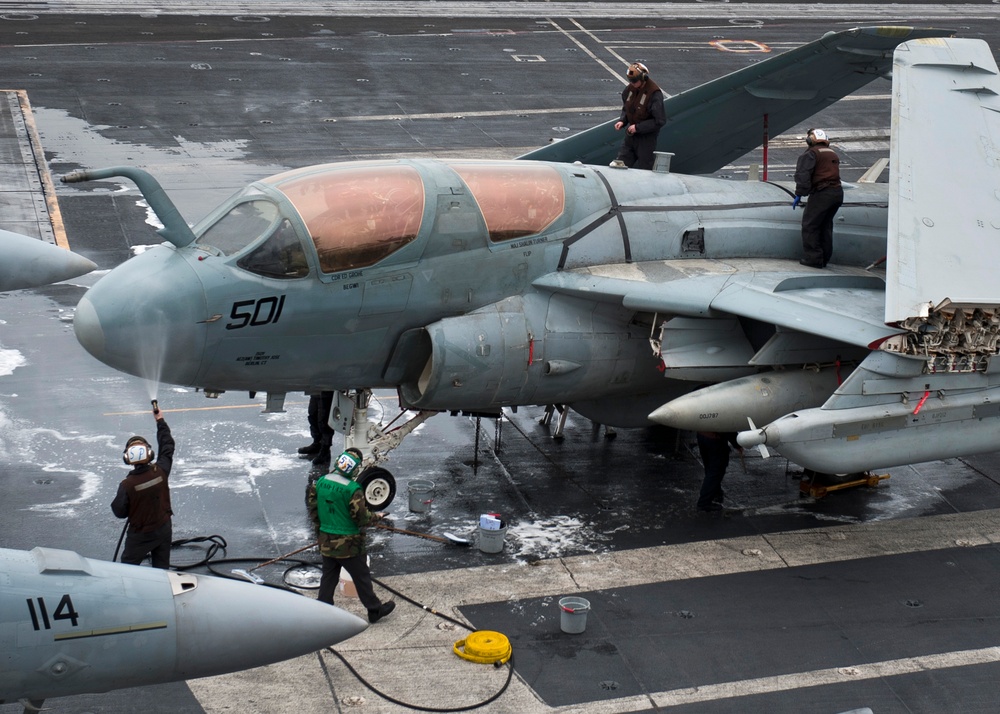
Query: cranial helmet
(137, 451)
(348, 462)
(814, 135)
(637, 72)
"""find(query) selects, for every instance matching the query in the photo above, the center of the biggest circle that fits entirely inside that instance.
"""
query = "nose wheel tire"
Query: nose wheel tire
(379, 487)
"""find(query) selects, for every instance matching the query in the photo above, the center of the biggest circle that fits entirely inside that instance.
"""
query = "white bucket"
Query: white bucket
(420, 495)
(573, 618)
(491, 539)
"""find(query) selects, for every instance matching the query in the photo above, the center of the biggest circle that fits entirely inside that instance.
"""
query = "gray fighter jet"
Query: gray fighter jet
(27, 262)
(556, 279)
(72, 625)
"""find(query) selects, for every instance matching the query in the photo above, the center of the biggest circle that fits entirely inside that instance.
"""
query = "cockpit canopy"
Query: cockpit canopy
(280, 256)
(518, 199)
(358, 214)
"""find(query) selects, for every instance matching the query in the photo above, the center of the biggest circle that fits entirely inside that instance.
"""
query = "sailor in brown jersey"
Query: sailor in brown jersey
(144, 497)
(817, 175)
(642, 118)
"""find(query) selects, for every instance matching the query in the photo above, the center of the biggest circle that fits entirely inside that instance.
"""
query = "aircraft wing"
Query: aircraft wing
(929, 393)
(845, 306)
(944, 222)
(716, 123)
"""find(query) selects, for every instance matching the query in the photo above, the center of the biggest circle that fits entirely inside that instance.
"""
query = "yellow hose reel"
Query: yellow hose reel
(484, 647)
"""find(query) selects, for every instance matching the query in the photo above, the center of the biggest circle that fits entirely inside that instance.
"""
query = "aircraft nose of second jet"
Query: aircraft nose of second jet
(224, 626)
(143, 318)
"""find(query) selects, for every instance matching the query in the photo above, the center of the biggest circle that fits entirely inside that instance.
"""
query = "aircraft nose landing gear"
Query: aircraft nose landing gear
(349, 416)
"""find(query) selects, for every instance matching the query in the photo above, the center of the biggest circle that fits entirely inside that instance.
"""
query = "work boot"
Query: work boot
(383, 610)
(310, 449)
(322, 458)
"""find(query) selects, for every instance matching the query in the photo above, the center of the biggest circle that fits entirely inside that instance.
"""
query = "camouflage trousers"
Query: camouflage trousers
(341, 546)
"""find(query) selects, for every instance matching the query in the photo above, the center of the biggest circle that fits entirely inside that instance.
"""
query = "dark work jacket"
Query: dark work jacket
(643, 107)
(817, 169)
(144, 495)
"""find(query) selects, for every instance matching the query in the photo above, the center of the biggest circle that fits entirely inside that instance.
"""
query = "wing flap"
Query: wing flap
(842, 307)
(843, 304)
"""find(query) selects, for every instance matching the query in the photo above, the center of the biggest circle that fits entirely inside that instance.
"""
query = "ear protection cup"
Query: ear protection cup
(637, 71)
(137, 451)
(814, 135)
(357, 453)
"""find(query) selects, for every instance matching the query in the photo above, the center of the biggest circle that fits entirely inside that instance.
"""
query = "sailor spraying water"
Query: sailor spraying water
(144, 497)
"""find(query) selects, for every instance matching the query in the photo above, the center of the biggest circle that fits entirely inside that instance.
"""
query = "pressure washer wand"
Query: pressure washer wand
(449, 538)
(285, 556)
(256, 579)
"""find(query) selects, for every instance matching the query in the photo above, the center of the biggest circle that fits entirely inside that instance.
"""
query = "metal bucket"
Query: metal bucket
(420, 491)
(491, 540)
(573, 618)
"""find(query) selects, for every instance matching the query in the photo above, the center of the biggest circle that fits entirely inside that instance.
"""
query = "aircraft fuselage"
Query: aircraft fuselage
(343, 276)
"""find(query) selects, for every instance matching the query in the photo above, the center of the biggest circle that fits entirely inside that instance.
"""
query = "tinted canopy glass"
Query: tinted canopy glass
(517, 199)
(356, 215)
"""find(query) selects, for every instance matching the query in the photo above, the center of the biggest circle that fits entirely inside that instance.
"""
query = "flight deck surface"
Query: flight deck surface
(870, 597)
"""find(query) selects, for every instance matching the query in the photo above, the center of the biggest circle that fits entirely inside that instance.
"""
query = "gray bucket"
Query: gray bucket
(573, 618)
(491, 541)
(420, 495)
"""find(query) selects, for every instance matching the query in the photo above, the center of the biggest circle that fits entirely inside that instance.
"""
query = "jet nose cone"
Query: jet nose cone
(225, 625)
(28, 262)
(145, 318)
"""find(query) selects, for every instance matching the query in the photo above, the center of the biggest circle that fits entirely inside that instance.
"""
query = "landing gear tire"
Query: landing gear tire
(378, 486)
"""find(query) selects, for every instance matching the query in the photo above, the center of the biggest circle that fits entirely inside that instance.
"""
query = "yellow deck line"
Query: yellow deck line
(48, 188)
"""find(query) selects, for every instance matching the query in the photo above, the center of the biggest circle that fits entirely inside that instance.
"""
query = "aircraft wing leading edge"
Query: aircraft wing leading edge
(843, 306)
(719, 121)
(944, 213)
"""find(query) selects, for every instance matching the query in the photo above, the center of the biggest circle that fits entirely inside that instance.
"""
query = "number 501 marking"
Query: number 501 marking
(265, 311)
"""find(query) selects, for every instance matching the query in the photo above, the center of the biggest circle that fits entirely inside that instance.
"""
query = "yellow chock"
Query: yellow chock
(484, 647)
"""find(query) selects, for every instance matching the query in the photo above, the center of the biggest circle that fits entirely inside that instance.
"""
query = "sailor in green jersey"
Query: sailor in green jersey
(338, 509)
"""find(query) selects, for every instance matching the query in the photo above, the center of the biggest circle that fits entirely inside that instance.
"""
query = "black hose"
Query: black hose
(120, 539)
(510, 675)
(422, 606)
(217, 543)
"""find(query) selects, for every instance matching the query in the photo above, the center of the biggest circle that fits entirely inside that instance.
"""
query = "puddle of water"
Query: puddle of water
(196, 175)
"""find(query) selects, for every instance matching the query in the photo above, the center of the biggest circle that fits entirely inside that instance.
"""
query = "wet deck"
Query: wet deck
(783, 603)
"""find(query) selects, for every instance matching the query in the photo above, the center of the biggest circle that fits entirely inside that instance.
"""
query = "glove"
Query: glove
(795, 201)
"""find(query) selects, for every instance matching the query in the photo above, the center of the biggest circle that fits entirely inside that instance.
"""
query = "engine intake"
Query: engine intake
(531, 349)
